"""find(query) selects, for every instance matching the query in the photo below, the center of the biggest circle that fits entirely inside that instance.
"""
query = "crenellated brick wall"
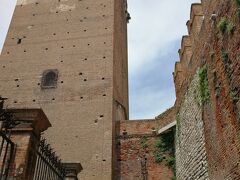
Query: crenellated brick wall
(215, 42)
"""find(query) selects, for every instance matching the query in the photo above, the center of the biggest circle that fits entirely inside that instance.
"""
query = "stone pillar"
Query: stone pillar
(72, 170)
(25, 136)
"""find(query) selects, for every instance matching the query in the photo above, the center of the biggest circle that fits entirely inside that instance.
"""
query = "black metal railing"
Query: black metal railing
(48, 165)
(6, 156)
(7, 147)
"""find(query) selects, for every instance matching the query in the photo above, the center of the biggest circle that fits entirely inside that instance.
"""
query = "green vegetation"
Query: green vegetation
(143, 142)
(234, 96)
(164, 150)
(238, 2)
(204, 92)
(238, 10)
(230, 28)
(227, 63)
(222, 25)
(178, 125)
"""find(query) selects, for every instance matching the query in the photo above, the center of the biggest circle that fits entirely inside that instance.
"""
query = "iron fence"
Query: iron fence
(7, 147)
(6, 156)
(48, 165)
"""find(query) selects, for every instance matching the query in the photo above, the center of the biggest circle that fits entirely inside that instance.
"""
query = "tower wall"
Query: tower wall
(77, 38)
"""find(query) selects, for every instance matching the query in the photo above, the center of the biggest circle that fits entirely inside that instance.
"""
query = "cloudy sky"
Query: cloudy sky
(154, 33)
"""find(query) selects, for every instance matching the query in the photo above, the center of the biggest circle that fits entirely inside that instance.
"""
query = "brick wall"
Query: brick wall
(134, 161)
(218, 50)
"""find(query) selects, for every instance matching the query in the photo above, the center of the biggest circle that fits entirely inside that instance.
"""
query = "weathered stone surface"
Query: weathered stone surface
(191, 157)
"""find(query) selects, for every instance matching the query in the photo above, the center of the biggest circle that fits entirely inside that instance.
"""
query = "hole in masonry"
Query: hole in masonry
(17, 85)
(19, 41)
(61, 61)
(80, 74)
(85, 79)
(95, 121)
(24, 50)
(8, 52)
(34, 100)
(85, 30)
(104, 160)
(54, 34)
(16, 79)
(36, 3)
(103, 78)
(15, 102)
(62, 82)
(62, 47)
(74, 45)
(104, 57)
(46, 49)
(85, 59)
(88, 44)
(56, 12)
(101, 116)
(53, 99)
(104, 94)
(4, 66)
(38, 84)
(81, 97)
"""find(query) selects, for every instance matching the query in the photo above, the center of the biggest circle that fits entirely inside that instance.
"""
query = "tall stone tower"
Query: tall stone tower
(69, 57)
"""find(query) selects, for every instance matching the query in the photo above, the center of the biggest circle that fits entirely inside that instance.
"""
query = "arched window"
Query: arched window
(49, 79)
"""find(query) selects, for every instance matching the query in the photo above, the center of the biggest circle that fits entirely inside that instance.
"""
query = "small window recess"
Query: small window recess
(49, 79)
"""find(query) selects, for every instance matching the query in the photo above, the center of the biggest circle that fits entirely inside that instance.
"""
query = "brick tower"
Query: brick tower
(69, 57)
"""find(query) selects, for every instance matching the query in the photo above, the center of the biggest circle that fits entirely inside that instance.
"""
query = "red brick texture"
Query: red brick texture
(133, 160)
(219, 50)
